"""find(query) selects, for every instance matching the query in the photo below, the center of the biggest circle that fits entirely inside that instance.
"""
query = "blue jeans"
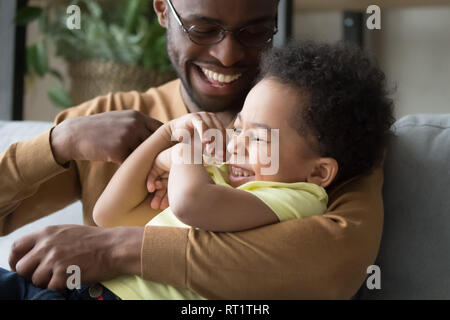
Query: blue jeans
(15, 287)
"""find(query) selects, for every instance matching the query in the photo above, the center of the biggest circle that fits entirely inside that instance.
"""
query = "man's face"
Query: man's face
(216, 77)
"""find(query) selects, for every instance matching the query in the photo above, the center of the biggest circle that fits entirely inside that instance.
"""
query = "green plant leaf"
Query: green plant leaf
(94, 9)
(105, 34)
(27, 14)
(57, 75)
(33, 62)
(40, 62)
(131, 15)
(59, 97)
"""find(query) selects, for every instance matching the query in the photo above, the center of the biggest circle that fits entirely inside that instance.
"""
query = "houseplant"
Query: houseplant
(119, 47)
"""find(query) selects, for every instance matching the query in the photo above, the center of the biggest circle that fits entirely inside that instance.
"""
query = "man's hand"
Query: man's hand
(109, 136)
(102, 254)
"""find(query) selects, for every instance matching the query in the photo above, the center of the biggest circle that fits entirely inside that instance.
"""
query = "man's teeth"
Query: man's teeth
(220, 77)
(239, 172)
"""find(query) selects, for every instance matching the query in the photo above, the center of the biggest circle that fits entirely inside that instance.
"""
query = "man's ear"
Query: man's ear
(160, 7)
(323, 172)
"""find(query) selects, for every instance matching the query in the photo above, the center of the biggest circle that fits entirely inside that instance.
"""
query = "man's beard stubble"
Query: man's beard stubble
(236, 105)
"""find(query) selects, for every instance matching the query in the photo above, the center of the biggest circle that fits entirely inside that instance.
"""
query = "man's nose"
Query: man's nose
(228, 51)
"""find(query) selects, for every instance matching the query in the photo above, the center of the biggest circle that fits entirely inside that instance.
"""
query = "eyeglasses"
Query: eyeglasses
(256, 35)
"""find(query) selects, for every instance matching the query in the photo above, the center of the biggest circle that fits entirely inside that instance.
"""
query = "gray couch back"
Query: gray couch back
(414, 257)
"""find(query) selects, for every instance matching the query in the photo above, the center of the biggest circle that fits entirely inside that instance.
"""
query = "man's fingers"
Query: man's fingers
(152, 124)
(41, 276)
(58, 280)
(143, 134)
(217, 123)
(19, 248)
(28, 264)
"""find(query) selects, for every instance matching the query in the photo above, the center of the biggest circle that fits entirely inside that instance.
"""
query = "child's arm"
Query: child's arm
(197, 201)
(125, 200)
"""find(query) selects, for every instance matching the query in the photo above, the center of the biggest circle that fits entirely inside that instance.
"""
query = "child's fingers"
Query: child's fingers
(157, 198)
(156, 201)
(165, 202)
(165, 199)
(151, 180)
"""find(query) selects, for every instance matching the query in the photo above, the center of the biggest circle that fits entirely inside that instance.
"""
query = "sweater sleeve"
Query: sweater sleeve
(33, 184)
(321, 257)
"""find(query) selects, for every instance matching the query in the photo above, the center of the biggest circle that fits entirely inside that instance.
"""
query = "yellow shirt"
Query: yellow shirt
(287, 201)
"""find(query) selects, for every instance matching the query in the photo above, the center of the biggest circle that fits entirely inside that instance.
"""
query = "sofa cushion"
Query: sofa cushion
(414, 257)
(13, 131)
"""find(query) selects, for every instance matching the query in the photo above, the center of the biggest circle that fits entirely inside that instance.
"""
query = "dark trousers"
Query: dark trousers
(15, 287)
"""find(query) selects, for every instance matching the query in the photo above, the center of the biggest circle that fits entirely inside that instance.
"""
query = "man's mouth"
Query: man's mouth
(213, 82)
(220, 78)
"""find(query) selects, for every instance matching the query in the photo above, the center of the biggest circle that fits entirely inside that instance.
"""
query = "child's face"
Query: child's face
(269, 105)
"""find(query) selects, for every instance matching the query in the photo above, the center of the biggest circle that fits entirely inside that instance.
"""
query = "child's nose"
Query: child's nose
(236, 144)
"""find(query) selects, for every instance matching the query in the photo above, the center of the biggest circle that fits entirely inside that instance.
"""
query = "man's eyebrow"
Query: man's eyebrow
(200, 17)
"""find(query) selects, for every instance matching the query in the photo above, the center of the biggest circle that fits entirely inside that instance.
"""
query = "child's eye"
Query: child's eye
(257, 139)
(236, 131)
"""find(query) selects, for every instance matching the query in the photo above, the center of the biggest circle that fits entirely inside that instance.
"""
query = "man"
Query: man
(320, 257)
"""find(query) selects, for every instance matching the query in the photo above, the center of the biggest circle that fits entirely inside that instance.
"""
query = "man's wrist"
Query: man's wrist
(126, 248)
(58, 145)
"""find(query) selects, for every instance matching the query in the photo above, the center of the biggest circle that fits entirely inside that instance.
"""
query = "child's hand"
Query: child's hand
(158, 178)
(201, 123)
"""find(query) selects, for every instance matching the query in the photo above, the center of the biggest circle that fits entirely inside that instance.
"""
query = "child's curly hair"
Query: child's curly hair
(349, 112)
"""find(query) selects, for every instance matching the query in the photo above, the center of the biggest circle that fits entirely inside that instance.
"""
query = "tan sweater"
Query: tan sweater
(319, 257)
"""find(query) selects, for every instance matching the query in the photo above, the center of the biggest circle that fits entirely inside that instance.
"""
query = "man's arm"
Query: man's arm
(322, 257)
(32, 183)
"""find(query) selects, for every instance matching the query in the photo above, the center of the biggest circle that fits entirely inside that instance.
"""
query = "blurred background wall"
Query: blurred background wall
(412, 47)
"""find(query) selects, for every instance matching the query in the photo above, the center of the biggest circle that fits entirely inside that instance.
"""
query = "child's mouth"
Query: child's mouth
(240, 175)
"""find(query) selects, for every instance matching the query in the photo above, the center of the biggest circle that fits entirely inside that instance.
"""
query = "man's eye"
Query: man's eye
(204, 30)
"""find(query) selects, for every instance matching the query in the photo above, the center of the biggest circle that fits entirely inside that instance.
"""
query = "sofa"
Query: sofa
(414, 256)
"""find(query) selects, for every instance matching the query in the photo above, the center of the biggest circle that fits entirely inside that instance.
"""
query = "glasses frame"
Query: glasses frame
(223, 31)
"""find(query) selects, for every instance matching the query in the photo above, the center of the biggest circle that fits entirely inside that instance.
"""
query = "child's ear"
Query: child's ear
(161, 10)
(323, 172)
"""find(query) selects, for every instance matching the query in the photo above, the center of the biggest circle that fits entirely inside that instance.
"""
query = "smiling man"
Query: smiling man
(214, 46)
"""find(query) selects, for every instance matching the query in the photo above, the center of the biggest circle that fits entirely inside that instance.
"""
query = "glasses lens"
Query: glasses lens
(256, 35)
(205, 34)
